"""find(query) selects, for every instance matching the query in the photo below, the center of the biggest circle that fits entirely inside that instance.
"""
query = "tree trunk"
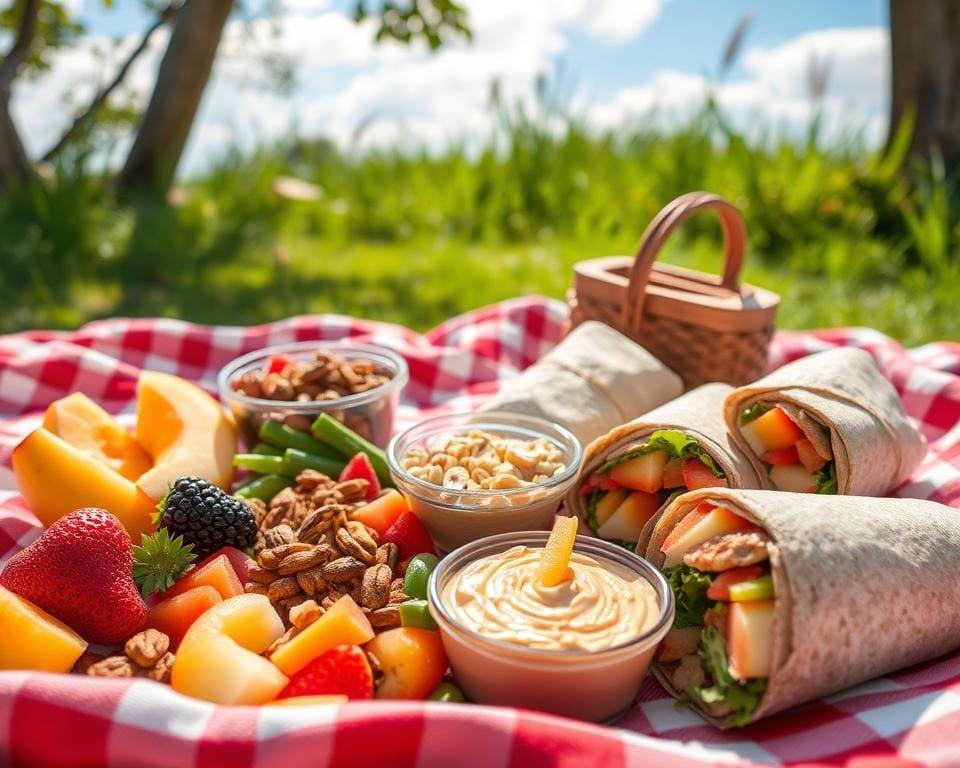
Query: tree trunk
(925, 73)
(183, 75)
(14, 163)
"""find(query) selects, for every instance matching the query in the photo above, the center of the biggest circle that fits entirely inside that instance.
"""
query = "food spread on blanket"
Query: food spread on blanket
(595, 607)
(308, 575)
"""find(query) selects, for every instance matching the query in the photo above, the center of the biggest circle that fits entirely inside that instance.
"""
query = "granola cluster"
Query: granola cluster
(311, 554)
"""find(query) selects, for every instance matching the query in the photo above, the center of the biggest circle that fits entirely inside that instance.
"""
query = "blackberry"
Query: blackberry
(207, 517)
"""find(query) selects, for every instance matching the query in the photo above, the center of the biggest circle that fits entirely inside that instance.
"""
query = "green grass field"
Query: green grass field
(842, 234)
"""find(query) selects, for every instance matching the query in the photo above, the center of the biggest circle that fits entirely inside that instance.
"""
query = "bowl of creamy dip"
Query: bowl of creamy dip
(579, 649)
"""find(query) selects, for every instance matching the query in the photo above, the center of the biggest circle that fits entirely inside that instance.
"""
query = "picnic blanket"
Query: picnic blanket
(906, 719)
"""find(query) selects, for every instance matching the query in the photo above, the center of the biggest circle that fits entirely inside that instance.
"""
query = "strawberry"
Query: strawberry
(81, 571)
(697, 475)
(360, 468)
(343, 669)
(408, 533)
(782, 457)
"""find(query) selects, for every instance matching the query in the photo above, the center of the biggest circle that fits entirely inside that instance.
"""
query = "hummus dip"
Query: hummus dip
(603, 606)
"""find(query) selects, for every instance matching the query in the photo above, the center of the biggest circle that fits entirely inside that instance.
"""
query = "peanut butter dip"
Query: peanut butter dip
(603, 606)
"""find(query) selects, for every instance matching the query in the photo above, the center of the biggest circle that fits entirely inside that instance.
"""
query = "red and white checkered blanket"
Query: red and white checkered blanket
(908, 718)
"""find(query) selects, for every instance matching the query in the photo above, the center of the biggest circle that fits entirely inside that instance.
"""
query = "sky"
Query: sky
(614, 62)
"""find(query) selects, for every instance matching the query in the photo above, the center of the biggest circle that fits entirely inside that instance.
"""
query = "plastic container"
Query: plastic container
(456, 517)
(596, 686)
(370, 414)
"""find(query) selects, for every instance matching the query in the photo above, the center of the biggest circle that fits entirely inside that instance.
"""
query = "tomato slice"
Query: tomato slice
(782, 457)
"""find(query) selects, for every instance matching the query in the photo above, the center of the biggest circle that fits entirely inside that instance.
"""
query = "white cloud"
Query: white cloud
(348, 88)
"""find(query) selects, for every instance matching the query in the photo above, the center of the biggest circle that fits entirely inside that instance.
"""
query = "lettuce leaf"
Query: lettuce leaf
(827, 478)
(754, 412)
(676, 444)
(741, 697)
(690, 592)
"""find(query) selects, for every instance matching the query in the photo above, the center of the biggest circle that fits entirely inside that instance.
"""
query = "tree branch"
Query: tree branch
(103, 94)
(21, 47)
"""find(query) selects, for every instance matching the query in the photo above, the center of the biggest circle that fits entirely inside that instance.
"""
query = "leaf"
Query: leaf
(676, 444)
(741, 697)
(690, 592)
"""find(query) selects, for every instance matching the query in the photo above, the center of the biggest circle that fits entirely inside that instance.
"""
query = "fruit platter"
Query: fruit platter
(330, 541)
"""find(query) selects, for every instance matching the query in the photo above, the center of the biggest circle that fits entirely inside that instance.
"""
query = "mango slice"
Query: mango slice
(555, 560)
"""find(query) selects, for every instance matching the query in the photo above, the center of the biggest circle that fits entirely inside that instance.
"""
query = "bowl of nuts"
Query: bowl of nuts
(357, 384)
(472, 475)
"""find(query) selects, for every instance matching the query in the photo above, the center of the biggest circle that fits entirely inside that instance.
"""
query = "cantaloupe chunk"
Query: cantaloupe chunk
(555, 558)
(86, 426)
(30, 638)
(185, 432)
(343, 624)
(771, 431)
(218, 573)
(219, 658)
(175, 615)
(55, 479)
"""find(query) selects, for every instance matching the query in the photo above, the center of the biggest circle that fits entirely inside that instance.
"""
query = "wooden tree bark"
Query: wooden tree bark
(14, 163)
(183, 75)
(925, 73)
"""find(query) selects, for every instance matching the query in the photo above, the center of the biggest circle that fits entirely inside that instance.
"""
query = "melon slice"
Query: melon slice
(343, 624)
(86, 426)
(609, 503)
(185, 432)
(55, 479)
(33, 639)
(750, 640)
(627, 521)
(771, 432)
(219, 658)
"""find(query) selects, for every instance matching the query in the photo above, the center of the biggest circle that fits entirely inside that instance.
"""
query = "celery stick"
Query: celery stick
(755, 589)
(267, 450)
(282, 436)
(295, 462)
(350, 443)
(264, 487)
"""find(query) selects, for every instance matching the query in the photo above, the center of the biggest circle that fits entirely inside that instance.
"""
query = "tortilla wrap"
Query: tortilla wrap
(698, 414)
(591, 381)
(848, 410)
(870, 584)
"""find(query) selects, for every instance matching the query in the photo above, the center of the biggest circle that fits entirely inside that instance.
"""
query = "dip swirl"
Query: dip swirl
(499, 596)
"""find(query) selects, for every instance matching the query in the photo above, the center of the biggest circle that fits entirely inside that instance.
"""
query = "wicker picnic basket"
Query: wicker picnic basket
(703, 327)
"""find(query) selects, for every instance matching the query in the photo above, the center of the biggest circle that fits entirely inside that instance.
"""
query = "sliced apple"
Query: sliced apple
(86, 426)
(627, 521)
(771, 432)
(750, 639)
(716, 522)
(793, 479)
(644, 473)
(185, 432)
(679, 642)
(219, 658)
(609, 503)
(56, 478)
(808, 456)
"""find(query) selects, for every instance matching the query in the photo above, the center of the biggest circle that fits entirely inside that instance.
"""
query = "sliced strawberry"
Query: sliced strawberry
(696, 475)
(782, 457)
(595, 481)
(719, 588)
(360, 468)
(811, 460)
(343, 670)
(408, 533)
(276, 363)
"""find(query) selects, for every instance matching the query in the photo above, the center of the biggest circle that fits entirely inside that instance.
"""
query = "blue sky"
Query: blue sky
(619, 59)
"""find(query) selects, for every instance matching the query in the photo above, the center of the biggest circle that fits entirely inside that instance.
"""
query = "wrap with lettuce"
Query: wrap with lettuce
(629, 473)
(783, 598)
(591, 381)
(828, 423)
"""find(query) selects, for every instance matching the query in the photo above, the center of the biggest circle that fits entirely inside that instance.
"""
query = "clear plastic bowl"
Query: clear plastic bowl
(598, 686)
(456, 517)
(370, 414)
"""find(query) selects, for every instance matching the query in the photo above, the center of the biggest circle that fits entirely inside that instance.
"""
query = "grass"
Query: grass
(844, 235)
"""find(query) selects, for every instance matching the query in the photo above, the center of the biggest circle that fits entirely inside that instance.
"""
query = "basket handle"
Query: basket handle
(656, 234)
